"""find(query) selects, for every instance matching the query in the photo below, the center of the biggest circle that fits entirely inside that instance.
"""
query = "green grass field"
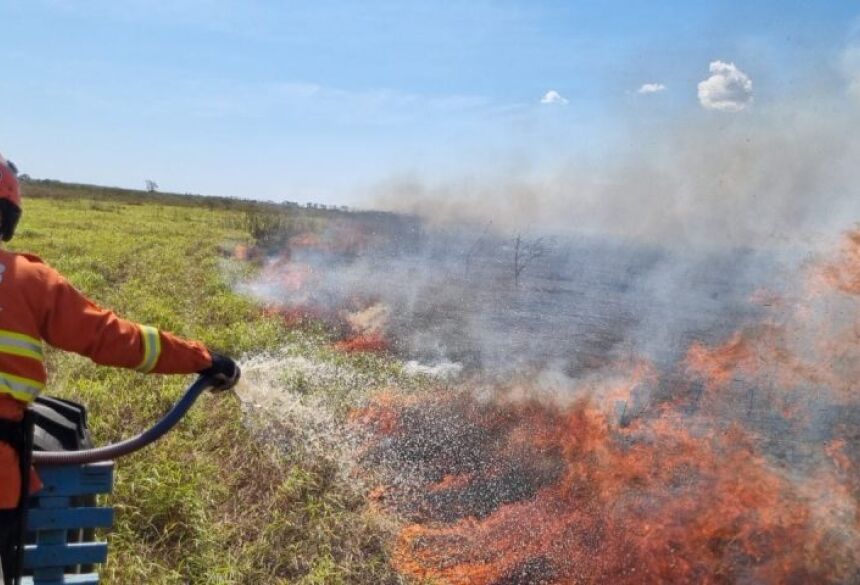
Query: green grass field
(212, 502)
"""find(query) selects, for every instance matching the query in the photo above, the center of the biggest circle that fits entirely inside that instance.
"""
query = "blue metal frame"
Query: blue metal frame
(52, 559)
(55, 513)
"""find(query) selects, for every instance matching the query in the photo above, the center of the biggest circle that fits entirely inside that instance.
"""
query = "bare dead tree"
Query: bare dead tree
(526, 250)
(151, 186)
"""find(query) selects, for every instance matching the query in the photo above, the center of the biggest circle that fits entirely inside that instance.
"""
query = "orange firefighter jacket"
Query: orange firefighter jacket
(37, 304)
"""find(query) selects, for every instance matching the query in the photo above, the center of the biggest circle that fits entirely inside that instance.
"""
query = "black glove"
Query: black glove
(224, 372)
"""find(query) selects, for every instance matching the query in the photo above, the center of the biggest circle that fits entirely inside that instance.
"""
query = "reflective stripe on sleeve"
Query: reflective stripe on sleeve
(151, 348)
(21, 345)
(19, 388)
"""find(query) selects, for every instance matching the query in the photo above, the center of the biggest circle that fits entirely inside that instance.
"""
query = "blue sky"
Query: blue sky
(324, 100)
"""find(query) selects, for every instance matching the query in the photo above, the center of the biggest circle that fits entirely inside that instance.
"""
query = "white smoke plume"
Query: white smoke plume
(851, 70)
(786, 172)
(728, 89)
(660, 243)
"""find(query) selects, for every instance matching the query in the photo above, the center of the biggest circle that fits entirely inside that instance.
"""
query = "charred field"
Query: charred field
(581, 410)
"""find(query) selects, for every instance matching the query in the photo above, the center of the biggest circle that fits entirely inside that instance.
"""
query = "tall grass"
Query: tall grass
(209, 503)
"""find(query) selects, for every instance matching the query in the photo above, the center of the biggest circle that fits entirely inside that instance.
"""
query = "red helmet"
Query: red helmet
(9, 189)
(10, 199)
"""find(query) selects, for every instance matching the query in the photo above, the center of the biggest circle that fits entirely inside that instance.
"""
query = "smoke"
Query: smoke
(851, 70)
(785, 173)
(656, 358)
(641, 253)
(444, 370)
(469, 301)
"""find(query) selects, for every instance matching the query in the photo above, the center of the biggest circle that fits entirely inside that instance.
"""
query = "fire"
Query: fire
(361, 327)
(299, 315)
(737, 464)
(371, 320)
(290, 277)
(340, 238)
(367, 330)
(747, 486)
(719, 365)
(363, 343)
(835, 449)
(597, 503)
(844, 273)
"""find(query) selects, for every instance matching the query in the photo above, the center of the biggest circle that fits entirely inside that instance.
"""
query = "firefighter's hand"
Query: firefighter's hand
(224, 372)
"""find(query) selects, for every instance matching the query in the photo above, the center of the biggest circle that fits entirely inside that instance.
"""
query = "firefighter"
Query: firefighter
(38, 305)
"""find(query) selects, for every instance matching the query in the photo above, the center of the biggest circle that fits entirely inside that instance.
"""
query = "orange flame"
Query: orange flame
(718, 366)
(506, 491)
(373, 342)
(652, 502)
(844, 273)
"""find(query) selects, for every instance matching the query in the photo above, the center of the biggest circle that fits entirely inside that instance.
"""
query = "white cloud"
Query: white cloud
(728, 89)
(553, 97)
(651, 88)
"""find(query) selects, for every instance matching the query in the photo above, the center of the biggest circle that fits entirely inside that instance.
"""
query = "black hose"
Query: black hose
(167, 422)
